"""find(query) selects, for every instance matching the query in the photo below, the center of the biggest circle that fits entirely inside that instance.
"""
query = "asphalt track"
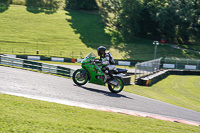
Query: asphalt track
(23, 82)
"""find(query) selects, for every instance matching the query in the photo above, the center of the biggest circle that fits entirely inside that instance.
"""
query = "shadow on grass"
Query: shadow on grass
(37, 10)
(94, 33)
(92, 30)
(3, 7)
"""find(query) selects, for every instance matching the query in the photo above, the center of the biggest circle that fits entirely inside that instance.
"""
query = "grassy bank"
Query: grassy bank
(178, 90)
(26, 115)
(63, 33)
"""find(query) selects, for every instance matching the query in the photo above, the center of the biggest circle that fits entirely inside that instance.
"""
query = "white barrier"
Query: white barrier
(57, 59)
(33, 57)
(168, 65)
(79, 60)
(192, 67)
(124, 63)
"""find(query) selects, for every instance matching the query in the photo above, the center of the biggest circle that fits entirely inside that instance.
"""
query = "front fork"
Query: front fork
(83, 72)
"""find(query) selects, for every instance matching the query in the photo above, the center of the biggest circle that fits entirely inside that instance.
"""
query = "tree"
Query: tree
(4, 5)
(170, 19)
(129, 17)
(81, 4)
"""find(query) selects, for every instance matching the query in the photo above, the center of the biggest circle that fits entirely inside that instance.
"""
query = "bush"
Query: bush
(81, 4)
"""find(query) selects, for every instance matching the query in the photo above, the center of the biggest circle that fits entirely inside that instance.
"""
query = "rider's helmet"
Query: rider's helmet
(101, 50)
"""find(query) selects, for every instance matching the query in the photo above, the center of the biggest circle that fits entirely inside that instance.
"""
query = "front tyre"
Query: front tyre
(79, 78)
(118, 88)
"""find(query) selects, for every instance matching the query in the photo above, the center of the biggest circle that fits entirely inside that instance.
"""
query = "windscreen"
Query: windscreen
(90, 55)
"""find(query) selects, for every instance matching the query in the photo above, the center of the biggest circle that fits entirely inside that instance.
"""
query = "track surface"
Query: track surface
(44, 85)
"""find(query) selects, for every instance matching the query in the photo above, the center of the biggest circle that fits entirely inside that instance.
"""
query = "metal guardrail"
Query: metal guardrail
(146, 68)
(43, 67)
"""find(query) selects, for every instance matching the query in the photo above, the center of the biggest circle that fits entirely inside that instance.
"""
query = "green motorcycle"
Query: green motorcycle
(92, 71)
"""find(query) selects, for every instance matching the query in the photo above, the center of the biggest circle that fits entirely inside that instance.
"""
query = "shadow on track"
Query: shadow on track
(104, 92)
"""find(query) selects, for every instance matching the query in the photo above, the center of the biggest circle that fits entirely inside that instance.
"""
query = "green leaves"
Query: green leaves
(81, 4)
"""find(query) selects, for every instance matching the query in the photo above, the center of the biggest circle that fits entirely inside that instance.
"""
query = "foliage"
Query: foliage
(43, 3)
(156, 19)
(129, 17)
(4, 5)
(122, 15)
(6, 1)
(174, 19)
(81, 4)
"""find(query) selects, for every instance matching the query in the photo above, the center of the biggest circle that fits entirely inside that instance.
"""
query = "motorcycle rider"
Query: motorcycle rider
(106, 59)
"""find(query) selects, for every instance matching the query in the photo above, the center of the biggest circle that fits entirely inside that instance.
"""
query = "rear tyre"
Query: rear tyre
(118, 88)
(78, 78)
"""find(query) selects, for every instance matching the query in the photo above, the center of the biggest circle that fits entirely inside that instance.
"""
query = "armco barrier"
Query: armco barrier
(11, 61)
(36, 66)
(63, 71)
(49, 68)
(32, 65)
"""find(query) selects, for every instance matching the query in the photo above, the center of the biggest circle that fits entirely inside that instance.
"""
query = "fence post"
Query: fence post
(72, 54)
(81, 55)
(136, 71)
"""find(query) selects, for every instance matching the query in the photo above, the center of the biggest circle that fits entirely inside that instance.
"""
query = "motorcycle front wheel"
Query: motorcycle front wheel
(80, 79)
(118, 88)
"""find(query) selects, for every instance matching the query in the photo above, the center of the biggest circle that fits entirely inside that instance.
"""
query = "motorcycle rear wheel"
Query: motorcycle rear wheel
(78, 78)
(116, 89)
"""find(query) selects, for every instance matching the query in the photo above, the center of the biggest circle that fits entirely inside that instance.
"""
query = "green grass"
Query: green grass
(70, 34)
(178, 90)
(25, 115)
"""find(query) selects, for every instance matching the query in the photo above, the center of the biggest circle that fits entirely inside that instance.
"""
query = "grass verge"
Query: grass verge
(175, 89)
(27, 115)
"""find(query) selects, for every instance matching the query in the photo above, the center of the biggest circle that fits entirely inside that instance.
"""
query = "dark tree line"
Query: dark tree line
(174, 20)
(6, 1)
(4, 5)
(81, 4)
(43, 3)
